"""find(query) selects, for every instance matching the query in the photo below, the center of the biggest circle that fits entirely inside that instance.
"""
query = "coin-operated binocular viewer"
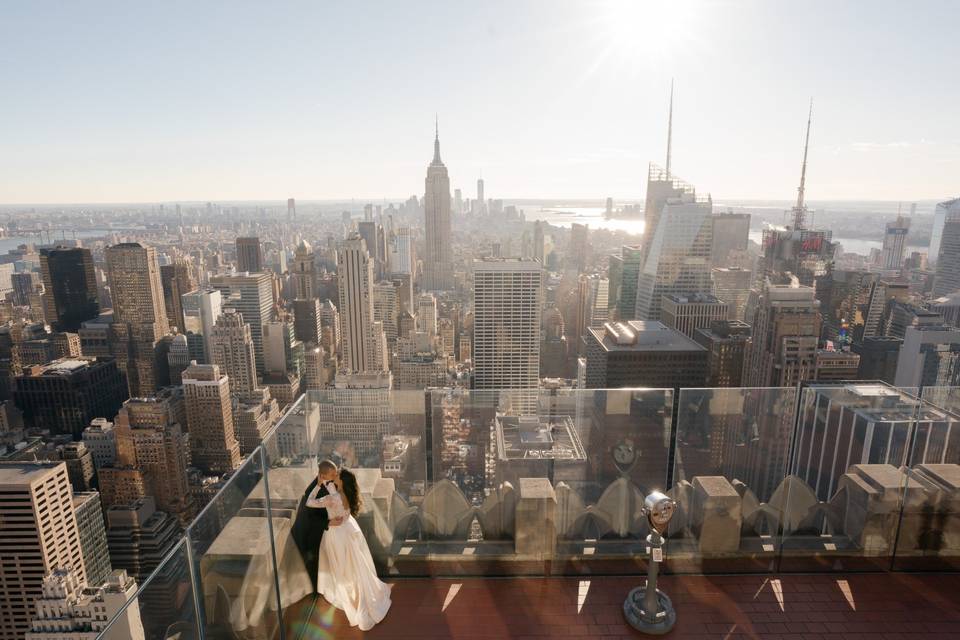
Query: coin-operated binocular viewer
(647, 609)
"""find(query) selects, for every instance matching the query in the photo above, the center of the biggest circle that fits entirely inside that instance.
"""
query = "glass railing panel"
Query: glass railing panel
(380, 435)
(464, 520)
(233, 554)
(730, 465)
(163, 607)
(622, 440)
(844, 489)
(279, 492)
(929, 535)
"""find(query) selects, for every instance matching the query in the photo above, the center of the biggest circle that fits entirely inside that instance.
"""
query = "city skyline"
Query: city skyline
(685, 272)
(558, 102)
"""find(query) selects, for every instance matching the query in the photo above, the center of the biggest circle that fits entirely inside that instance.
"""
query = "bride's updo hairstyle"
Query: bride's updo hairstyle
(352, 490)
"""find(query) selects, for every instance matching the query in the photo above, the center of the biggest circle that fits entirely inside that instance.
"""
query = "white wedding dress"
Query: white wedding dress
(346, 575)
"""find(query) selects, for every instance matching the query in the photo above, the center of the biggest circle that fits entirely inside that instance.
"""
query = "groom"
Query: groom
(310, 523)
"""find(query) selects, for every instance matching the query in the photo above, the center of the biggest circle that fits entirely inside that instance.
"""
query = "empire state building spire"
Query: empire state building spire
(436, 143)
(437, 258)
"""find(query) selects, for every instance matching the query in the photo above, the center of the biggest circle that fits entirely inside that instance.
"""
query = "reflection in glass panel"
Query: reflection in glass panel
(380, 435)
(843, 499)
(625, 437)
(163, 607)
(234, 559)
(729, 468)
(929, 526)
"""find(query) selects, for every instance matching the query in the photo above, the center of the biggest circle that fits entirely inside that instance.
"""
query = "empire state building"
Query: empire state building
(437, 263)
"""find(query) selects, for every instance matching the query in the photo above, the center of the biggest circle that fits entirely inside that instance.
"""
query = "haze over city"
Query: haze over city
(121, 102)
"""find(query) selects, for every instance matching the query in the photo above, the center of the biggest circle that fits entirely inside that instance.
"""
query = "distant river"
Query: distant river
(12, 242)
(564, 216)
(593, 216)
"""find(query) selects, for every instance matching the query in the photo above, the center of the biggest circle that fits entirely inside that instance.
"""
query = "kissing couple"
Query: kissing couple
(334, 550)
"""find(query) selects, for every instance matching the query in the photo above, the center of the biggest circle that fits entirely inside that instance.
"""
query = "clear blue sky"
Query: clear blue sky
(137, 101)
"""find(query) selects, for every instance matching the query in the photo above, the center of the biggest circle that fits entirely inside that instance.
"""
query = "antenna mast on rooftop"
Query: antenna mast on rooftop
(799, 213)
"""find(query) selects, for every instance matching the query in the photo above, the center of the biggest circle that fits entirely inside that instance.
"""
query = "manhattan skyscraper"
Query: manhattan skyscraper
(362, 340)
(139, 315)
(437, 261)
(70, 286)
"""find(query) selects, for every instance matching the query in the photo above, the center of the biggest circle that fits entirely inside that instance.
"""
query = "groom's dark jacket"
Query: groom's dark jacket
(308, 530)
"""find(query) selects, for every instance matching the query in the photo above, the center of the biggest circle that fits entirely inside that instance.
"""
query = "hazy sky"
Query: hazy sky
(137, 101)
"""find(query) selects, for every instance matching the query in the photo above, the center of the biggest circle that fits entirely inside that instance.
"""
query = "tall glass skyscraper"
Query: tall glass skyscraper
(71, 287)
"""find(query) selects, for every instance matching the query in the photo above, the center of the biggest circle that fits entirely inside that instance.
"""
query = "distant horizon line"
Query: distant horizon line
(358, 201)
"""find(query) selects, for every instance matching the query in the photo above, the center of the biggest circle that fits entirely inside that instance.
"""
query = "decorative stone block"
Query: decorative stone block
(536, 525)
(716, 515)
(870, 506)
(375, 490)
(935, 521)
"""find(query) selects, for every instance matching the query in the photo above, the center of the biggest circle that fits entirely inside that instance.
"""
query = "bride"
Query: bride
(346, 575)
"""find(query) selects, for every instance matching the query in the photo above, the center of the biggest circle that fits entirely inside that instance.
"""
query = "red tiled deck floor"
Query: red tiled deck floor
(800, 607)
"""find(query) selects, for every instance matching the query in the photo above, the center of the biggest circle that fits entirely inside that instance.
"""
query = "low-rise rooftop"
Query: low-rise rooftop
(638, 335)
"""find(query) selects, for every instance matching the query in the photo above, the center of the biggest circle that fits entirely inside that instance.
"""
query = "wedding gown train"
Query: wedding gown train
(347, 577)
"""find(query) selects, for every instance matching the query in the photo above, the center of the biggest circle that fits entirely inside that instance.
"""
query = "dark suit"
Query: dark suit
(308, 530)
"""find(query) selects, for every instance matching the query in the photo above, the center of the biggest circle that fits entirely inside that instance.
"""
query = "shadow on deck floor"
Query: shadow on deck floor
(800, 607)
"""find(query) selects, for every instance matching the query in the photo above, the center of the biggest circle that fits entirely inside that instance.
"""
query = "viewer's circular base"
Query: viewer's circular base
(656, 625)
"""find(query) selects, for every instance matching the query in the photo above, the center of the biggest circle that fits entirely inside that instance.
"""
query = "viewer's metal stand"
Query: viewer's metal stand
(647, 609)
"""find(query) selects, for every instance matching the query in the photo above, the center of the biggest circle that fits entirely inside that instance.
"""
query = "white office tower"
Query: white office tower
(401, 252)
(201, 308)
(929, 356)
(70, 609)
(251, 294)
(507, 302)
(895, 243)
(283, 352)
(437, 260)
(362, 343)
(677, 261)
(865, 423)
(38, 533)
(949, 208)
(427, 314)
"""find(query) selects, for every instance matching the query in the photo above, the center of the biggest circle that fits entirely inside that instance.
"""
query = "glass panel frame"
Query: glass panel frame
(928, 538)
(730, 462)
(626, 436)
(232, 546)
(844, 491)
(164, 605)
